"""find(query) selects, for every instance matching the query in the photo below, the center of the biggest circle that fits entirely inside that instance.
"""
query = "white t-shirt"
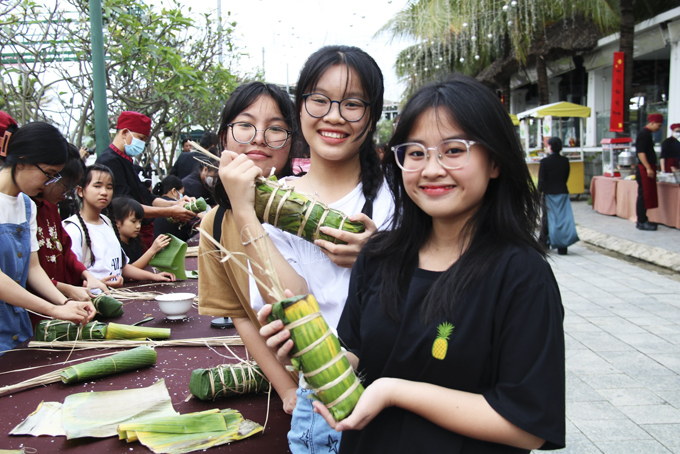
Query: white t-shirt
(13, 211)
(328, 282)
(105, 247)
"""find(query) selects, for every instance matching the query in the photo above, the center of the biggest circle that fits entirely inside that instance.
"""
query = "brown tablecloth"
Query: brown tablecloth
(174, 364)
(614, 196)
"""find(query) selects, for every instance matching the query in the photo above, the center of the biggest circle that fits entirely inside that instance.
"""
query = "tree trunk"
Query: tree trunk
(505, 89)
(626, 46)
(542, 76)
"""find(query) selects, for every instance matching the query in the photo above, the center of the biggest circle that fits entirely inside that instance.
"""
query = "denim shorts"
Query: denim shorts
(309, 432)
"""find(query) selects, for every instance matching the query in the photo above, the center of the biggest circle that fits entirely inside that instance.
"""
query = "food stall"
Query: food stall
(547, 120)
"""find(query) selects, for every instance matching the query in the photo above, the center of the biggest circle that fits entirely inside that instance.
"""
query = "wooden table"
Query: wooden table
(614, 196)
(174, 364)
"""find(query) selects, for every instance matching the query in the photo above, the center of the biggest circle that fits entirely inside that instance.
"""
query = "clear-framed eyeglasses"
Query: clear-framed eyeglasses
(274, 136)
(351, 109)
(451, 154)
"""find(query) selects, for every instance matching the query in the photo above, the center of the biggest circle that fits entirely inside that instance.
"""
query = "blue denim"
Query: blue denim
(309, 432)
(15, 325)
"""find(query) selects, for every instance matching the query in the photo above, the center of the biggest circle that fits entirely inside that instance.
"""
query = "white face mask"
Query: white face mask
(676, 134)
(209, 181)
(179, 195)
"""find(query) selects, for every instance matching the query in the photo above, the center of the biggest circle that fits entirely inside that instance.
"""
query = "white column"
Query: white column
(674, 76)
(591, 122)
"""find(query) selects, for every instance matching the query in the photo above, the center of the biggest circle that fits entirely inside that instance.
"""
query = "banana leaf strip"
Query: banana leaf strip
(120, 362)
(118, 331)
(62, 330)
(299, 214)
(191, 432)
(318, 354)
(226, 381)
(107, 306)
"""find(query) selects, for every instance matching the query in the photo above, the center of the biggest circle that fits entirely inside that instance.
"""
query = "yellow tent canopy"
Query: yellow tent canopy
(514, 119)
(558, 109)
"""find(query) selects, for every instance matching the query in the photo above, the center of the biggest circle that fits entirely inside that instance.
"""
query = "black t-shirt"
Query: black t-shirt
(670, 148)
(186, 164)
(183, 230)
(133, 249)
(644, 143)
(193, 187)
(507, 344)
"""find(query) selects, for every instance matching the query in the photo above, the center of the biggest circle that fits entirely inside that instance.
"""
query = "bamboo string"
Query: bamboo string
(332, 383)
(346, 394)
(337, 358)
(313, 344)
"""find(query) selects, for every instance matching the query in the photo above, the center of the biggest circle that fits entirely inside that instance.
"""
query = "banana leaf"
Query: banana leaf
(62, 330)
(226, 381)
(198, 206)
(318, 354)
(120, 362)
(299, 214)
(117, 331)
(191, 432)
(107, 306)
(171, 258)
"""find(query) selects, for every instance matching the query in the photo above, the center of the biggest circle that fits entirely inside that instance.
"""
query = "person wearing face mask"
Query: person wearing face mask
(200, 182)
(670, 150)
(132, 132)
(645, 172)
(171, 189)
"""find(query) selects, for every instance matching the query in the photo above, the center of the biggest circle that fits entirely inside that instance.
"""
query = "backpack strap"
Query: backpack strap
(217, 225)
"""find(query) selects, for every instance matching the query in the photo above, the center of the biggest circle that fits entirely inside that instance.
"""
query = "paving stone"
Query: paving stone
(577, 443)
(631, 396)
(609, 381)
(632, 447)
(612, 430)
(593, 411)
(666, 434)
(651, 414)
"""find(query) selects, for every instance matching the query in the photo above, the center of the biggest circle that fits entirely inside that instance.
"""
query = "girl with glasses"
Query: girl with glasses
(257, 124)
(454, 318)
(56, 257)
(339, 101)
(22, 150)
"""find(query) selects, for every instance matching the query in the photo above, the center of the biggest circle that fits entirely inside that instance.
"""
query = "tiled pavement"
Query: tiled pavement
(622, 330)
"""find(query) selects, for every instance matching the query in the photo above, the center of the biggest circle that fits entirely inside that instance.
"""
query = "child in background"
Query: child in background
(454, 317)
(171, 188)
(131, 213)
(95, 238)
(31, 158)
(56, 257)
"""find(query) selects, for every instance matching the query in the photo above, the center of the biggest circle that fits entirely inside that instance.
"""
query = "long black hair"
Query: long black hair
(242, 98)
(508, 213)
(36, 143)
(371, 78)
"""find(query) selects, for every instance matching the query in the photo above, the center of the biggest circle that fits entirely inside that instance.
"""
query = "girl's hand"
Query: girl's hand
(80, 312)
(76, 293)
(345, 255)
(276, 336)
(375, 399)
(238, 174)
(92, 283)
(289, 400)
(113, 280)
(164, 276)
(159, 243)
(186, 199)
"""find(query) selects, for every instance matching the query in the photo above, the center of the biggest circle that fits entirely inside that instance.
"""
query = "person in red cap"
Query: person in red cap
(133, 130)
(670, 150)
(645, 173)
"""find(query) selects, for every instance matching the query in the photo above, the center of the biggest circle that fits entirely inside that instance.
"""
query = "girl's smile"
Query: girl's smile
(449, 195)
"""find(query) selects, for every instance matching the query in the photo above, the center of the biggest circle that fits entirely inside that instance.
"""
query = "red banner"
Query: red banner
(616, 119)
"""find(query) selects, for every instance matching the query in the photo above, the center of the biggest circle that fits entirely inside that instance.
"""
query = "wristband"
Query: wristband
(67, 300)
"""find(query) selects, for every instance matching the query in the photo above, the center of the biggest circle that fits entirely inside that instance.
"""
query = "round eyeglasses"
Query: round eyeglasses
(351, 109)
(50, 178)
(274, 136)
(451, 154)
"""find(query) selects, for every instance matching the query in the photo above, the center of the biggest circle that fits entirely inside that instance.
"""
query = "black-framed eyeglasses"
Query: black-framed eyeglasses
(70, 189)
(274, 136)
(351, 109)
(451, 154)
(50, 178)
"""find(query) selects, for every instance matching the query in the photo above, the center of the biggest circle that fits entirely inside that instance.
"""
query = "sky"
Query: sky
(289, 31)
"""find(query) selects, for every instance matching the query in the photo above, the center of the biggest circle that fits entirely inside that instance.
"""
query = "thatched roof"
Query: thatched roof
(562, 39)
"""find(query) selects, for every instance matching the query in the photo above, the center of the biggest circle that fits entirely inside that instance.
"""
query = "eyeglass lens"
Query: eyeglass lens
(351, 109)
(50, 178)
(274, 136)
(451, 154)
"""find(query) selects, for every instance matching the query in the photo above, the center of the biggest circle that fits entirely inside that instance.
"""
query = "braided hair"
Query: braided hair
(371, 78)
(86, 180)
(112, 215)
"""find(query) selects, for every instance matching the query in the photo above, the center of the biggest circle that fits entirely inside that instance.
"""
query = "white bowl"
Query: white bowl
(175, 305)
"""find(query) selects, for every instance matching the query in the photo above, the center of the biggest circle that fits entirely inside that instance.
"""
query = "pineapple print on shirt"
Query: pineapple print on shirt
(441, 343)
